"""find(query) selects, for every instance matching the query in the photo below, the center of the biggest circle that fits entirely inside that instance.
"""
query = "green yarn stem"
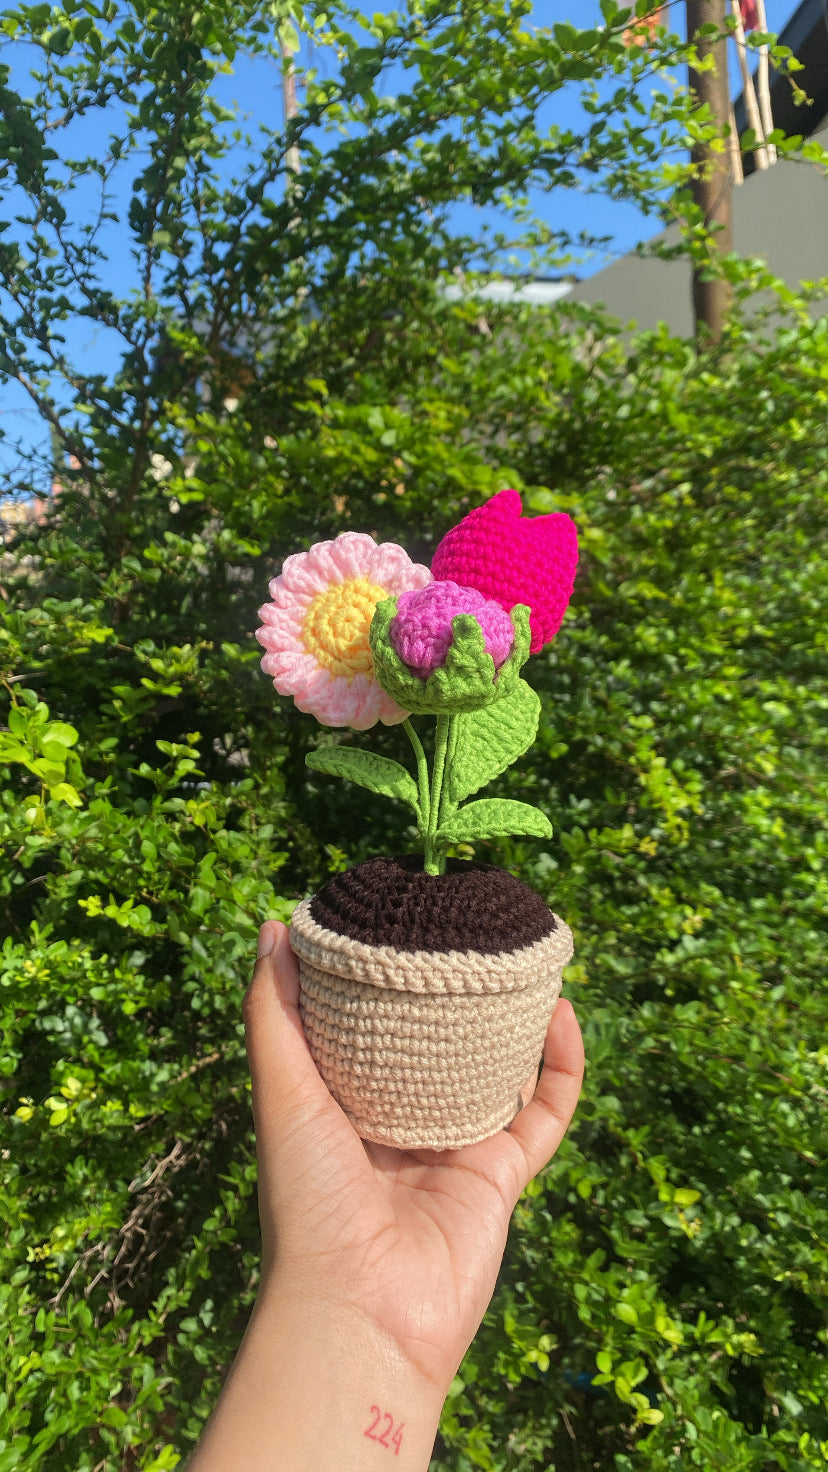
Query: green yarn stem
(422, 775)
(435, 859)
(447, 807)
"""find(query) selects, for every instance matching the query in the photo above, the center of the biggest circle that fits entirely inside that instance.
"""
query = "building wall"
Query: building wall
(780, 214)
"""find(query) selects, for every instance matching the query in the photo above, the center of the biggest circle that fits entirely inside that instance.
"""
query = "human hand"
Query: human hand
(412, 1240)
(387, 1258)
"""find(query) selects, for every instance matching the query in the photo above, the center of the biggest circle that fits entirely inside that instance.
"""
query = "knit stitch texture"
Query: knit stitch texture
(427, 1048)
(514, 559)
(315, 627)
(472, 907)
(421, 629)
(466, 681)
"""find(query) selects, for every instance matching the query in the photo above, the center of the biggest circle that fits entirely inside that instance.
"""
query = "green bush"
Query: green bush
(676, 1255)
(663, 1296)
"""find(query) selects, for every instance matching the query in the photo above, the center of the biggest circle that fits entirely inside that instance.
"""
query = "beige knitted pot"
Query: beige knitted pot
(424, 1039)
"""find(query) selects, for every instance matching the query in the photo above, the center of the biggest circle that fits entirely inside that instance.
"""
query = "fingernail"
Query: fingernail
(267, 940)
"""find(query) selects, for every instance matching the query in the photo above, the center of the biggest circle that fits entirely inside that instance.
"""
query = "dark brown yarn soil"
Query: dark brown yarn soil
(472, 907)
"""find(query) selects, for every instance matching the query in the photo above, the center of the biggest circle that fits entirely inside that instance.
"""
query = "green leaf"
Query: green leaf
(54, 752)
(50, 773)
(61, 732)
(12, 750)
(489, 740)
(65, 792)
(495, 817)
(289, 37)
(377, 773)
(626, 1313)
(18, 722)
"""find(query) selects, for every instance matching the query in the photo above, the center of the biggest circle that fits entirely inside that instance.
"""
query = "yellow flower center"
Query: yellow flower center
(335, 627)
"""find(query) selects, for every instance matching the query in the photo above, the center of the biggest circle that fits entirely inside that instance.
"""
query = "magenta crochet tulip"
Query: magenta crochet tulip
(514, 559)
(421, 632)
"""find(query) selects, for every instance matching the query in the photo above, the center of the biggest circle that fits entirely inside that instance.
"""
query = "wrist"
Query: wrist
(372, 1407)
(317, 1385)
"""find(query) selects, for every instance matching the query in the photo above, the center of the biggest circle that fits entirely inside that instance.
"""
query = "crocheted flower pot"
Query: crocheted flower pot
(426, 998)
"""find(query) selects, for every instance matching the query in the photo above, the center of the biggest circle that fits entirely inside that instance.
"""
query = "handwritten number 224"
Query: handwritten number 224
(388, 1436)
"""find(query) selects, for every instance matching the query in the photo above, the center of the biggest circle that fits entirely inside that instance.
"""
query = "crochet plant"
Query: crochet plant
(357, 633)
(425, 992)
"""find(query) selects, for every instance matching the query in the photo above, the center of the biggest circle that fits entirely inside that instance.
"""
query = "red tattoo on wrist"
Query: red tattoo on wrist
(389, 1436)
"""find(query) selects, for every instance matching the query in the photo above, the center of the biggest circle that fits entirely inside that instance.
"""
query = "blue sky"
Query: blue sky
(255, 88)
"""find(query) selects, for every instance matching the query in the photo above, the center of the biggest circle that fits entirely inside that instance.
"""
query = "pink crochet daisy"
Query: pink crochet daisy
(315, 628)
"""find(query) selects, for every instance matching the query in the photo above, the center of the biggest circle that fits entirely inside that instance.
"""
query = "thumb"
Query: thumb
(288, 1092)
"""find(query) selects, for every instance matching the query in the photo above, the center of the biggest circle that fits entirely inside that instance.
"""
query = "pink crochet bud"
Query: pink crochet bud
(421, 632)
(514, 559)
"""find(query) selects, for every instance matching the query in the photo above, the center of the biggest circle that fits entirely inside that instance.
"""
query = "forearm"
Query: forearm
(313, 1389)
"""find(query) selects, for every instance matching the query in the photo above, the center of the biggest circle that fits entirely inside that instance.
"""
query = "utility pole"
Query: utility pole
(712, 185)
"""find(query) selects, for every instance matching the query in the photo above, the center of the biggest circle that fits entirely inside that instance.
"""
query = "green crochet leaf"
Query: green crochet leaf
(469, 671)
(489, 740)
(377, 773)
(494, 817)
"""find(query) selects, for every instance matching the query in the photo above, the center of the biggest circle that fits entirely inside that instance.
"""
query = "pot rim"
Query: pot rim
(436, 972)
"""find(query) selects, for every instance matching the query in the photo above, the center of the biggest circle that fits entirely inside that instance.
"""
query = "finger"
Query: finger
(511, 1157)
(539, 1128)
(287, 1089)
